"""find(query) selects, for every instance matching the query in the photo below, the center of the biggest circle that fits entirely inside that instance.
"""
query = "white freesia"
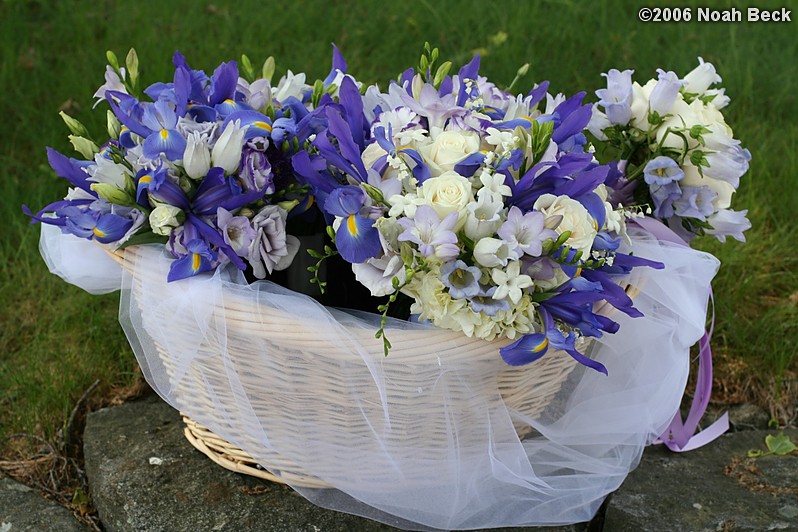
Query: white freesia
(447, 193)
(510, 283)
(112, 83)
(447, 149)
(491, 252)
(575, 219)
(506, 140)
(227, 150)
(197, 157)
(164, 218)
(404, 205)
(484, 217)
(493, 185)
(290, 85)
(106, 171)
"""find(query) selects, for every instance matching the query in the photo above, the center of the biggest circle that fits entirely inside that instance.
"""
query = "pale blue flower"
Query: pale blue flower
(617, 97)
(664, 93)
(461, 279)
(483, 302)
(664, 196)
(696, 202)
(727, 222)
(662, 171)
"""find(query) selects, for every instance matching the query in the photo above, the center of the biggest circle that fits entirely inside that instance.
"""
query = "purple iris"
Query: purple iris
(160, 119)
(199, 259)
(92, 225)
(532, 347)
(357, 239)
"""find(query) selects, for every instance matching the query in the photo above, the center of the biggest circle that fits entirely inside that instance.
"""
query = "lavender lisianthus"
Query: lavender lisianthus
(271, 249)
(237, 231)
(461, 279)
(255, 171)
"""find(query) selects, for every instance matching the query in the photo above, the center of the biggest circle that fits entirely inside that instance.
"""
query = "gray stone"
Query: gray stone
(22, 509)
(712, 488)
(144, 475)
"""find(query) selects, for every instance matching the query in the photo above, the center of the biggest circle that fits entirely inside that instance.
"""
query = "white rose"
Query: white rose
(449, 192)
(164, 218)
(575, 219)
(448, 149)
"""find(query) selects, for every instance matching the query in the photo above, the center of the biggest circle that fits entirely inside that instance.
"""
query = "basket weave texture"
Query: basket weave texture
(287, 375)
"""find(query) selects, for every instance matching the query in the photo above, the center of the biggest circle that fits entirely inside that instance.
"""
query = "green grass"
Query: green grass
(56, 340)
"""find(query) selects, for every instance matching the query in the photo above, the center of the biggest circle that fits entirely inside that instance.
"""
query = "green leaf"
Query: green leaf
(780, 445)
(755, 453)
(145, 236)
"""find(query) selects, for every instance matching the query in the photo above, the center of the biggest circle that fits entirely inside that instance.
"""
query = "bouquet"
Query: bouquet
(203, 168)
(671, 135)
(550, 322)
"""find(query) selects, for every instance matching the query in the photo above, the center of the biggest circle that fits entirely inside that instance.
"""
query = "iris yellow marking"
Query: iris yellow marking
(195, 262)
(578, 271)
(540, 347)
(98, 233)
(229, 102)
(164, 134)
(146, 179)
(262, 125)
(351, 225)
(527, 118)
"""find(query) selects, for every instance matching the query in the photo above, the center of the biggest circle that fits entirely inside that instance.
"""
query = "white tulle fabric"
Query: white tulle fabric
(581, 448)
(79, 261)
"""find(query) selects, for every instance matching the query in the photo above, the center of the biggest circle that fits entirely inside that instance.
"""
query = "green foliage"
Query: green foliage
(780, 445)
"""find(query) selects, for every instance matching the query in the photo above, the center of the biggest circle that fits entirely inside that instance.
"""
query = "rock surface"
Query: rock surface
(144, 475)
(712, 488)
(24, 510)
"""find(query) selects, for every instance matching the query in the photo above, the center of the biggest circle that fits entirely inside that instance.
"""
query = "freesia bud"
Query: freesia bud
(112, 194)
(84, 146)
(197, 157)
(226, 152)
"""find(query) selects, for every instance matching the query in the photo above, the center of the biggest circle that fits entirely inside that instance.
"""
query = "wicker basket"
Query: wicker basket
(527, 389)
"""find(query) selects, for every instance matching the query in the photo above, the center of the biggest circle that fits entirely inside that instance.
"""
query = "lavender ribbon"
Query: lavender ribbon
(680, 435)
